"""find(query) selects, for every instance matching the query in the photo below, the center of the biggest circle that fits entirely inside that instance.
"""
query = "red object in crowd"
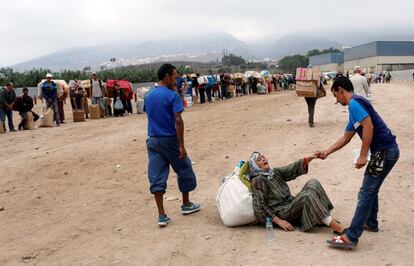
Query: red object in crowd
(123, 84)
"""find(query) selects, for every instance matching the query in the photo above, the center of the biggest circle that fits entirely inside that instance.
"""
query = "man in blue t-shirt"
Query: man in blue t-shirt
(376, 137)
(165, 143)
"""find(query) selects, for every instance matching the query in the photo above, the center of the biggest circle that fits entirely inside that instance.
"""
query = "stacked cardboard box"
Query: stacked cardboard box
(307, 81)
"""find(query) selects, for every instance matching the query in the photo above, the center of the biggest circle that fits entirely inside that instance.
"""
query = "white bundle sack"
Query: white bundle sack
(235, 202)
(46, 118)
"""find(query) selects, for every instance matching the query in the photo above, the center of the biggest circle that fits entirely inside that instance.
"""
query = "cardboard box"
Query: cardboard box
(78, 116)
(94, 111)
(306, 89)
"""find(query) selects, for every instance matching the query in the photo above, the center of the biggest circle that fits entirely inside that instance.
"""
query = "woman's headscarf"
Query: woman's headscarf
(255, 170)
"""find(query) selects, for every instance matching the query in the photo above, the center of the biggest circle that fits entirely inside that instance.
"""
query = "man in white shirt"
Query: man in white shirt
(360, 83)
(96, 85)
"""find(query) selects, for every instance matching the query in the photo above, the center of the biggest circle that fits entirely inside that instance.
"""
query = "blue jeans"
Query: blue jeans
(55, 108)
(163, 152)
(367, 207)
(9, 114)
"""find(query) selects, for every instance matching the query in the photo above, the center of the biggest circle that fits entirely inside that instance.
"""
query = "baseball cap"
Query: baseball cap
(48, 75)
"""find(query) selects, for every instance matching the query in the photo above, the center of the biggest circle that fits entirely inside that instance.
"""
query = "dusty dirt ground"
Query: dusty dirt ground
(66, 203)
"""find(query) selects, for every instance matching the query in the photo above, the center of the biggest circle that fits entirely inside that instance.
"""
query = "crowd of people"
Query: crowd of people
(114, 98)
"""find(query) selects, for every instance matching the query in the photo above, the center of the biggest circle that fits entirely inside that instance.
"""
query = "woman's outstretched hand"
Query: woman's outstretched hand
(310, 158)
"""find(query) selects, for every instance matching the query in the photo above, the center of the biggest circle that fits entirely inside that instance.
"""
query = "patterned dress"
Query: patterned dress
(272, 197)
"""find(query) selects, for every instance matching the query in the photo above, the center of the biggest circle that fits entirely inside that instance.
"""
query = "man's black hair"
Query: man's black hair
(344, 83)
(164, 70)
(25, 89)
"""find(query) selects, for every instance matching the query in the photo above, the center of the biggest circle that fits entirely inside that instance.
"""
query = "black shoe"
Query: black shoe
(311, 124)
(370, 229)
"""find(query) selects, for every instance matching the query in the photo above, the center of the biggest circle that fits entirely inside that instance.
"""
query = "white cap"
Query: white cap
(357, 67)
(94, 73)
(48, 75)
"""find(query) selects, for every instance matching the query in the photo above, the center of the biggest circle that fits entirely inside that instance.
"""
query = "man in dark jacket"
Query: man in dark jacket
(7, 98)
(49, 94)
(25, 105)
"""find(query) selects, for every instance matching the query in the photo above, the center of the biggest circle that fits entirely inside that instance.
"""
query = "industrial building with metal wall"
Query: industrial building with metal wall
(328, 62)
(373, 57)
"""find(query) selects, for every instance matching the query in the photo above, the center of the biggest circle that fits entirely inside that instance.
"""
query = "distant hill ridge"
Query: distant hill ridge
(203, 48)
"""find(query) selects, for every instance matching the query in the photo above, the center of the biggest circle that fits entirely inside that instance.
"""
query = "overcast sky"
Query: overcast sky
(32, 28)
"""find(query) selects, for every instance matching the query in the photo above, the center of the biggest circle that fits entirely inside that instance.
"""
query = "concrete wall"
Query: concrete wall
(402, 75)
(380, 63)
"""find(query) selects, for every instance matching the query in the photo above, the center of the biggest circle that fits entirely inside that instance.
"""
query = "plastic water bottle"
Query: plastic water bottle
(269, 229)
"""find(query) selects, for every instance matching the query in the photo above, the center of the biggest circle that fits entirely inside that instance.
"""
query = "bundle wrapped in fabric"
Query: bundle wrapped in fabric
(46, 118)
(94, 111)
(142, 92)
(140, 106)
(29, 124)
(235, 202)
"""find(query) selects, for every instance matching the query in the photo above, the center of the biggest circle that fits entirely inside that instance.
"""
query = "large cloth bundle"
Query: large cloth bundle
(261, 89)
(94, 111)
(140, 106)
(125, 85)
(142, 92)
(235, 202)
(46, 118)
(29, 124)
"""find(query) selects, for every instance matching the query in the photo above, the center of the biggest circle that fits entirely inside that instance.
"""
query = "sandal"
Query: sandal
(341, 242)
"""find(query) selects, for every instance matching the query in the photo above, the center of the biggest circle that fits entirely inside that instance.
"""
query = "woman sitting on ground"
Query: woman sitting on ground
(272, 198)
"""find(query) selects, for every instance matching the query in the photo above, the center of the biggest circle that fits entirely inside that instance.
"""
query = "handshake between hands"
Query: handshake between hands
(317, 154)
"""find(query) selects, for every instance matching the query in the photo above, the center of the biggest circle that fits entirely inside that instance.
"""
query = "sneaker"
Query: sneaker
(190, 208)
(163, 220)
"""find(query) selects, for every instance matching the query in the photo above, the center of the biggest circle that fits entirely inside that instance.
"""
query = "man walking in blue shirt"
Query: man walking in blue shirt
(165, 143)
(377, 138)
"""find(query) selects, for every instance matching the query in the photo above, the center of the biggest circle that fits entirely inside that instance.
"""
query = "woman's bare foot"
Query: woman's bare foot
(336, 226)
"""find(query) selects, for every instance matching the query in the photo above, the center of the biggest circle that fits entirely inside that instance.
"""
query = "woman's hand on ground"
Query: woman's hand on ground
(285, 225)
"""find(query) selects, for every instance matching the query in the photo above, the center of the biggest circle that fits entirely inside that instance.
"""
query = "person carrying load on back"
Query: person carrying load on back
(25, 105)
(97, 91)
(272, 198)
(50, 94)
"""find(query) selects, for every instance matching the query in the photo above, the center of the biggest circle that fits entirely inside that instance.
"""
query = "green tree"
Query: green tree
(290, 63)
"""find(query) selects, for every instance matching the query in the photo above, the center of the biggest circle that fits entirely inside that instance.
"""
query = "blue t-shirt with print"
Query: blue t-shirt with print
(161, 104)
(359, 109)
